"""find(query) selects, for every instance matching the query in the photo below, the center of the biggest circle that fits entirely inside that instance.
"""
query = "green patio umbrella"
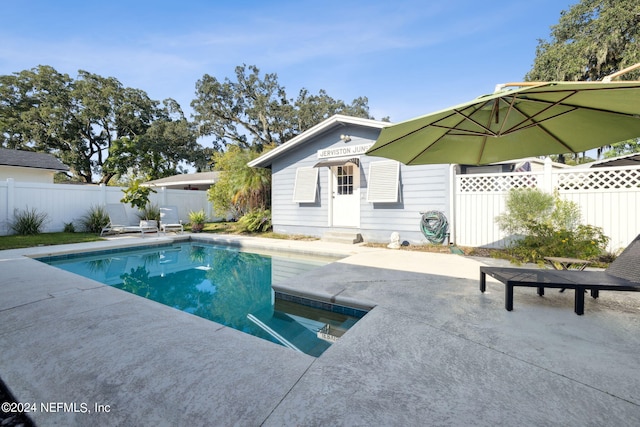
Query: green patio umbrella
(535, 119)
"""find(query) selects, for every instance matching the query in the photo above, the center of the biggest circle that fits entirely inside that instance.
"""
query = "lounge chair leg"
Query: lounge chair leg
(508, 297)
(483, 281)
(541, 291)
(595, 293)
(579, 301)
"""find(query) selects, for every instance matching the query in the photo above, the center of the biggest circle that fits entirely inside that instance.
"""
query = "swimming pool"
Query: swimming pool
(222, 284)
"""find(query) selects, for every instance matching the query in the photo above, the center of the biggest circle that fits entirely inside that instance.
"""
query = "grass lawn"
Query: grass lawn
(45, 239)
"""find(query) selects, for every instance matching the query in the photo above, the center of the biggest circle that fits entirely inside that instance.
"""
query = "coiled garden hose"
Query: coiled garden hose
(434, 226)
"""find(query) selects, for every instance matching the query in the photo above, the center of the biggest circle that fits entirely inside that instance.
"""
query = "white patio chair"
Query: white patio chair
(169, 219)
(119, 222)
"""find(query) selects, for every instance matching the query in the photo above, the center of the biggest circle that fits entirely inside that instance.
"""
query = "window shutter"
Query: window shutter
(383, 182)
(304, 189)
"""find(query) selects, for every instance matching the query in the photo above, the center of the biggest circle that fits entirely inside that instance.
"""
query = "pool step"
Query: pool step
(342, 237)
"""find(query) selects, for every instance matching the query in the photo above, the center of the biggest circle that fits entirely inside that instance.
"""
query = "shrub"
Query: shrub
(197, 217)
(150, 212)
(549, 226)
(197, 220)
(585, 242)
(28, 221)
(258, 220)
(69, 227)
(95, 219)
(524, 208)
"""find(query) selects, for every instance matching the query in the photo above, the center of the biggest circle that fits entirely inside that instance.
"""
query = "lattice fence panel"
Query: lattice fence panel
(483, 183)
(598, 179)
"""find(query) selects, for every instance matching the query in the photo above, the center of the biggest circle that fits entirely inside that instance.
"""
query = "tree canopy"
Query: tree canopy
(101, 129)
(93, 124)
(593, 39)
(240, 189)
(255, 112)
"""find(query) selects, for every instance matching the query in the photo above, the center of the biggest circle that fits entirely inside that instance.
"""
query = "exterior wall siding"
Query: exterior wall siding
(26, 174)
(422, 188)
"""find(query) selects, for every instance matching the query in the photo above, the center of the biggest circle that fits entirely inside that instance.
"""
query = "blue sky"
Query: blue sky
(408, 57)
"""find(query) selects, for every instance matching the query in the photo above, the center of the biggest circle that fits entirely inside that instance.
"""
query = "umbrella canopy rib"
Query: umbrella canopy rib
(534, 120)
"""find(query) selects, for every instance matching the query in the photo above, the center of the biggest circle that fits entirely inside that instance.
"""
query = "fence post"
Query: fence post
(11, 201)
(163, 196)
(547, 180)
(103, 194)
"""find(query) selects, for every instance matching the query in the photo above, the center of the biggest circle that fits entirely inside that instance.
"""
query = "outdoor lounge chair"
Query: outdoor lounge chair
(169, 220)
(119, 222)
(623, 274)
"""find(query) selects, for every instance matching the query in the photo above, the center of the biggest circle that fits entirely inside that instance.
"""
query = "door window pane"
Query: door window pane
(345, 179)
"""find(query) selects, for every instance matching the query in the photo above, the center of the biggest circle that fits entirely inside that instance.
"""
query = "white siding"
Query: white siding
(26, 174)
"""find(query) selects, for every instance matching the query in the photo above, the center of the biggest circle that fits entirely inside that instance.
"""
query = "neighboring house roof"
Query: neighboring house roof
(30, 159)
(536, 160)
(200, 178)
(334, 121)
(632, 159)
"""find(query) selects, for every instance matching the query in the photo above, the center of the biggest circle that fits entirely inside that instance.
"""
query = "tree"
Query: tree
(158, 151)
(621, 148)
(240, 188)
(254, 112)
(93, 124)
(593, 39)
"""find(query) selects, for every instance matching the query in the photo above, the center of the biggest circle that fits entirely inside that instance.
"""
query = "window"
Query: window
(383, 182)
(304, 188)
(345, 179)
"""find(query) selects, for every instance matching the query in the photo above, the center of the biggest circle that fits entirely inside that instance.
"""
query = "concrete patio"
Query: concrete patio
(433, 351)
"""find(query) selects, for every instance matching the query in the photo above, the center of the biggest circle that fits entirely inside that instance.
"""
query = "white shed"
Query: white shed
(324, 184)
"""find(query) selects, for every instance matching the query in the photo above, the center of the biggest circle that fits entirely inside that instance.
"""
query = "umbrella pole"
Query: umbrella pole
(606, 79)
(617, 74)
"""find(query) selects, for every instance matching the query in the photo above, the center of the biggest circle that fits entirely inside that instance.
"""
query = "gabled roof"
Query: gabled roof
(30, 159)
(632, 159)
(200, 178)
(334, 121)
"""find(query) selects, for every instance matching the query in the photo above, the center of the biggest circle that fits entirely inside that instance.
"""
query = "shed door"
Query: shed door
(346, 195)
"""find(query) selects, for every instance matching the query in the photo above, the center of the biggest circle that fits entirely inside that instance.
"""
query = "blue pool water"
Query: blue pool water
(221, 284)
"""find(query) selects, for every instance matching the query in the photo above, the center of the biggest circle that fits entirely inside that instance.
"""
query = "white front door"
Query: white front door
(346, 196)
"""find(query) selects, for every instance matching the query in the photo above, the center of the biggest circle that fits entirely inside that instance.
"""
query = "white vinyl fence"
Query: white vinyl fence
(67, 203)
(608, 198)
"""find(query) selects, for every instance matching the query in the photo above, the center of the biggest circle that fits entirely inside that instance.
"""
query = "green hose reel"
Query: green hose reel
(434, 226)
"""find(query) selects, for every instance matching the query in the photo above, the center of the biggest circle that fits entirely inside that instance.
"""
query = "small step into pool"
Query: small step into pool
(224, 285)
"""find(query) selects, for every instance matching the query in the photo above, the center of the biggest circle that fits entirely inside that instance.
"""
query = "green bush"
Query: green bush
(28, 221)
(584, 242)
(150, 212)
(524, 208)
(95, 219)
(548, 226)
(197, 217)
(258, 220)
(69, 227)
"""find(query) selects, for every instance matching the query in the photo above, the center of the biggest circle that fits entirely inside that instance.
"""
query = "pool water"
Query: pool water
(224, 285)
